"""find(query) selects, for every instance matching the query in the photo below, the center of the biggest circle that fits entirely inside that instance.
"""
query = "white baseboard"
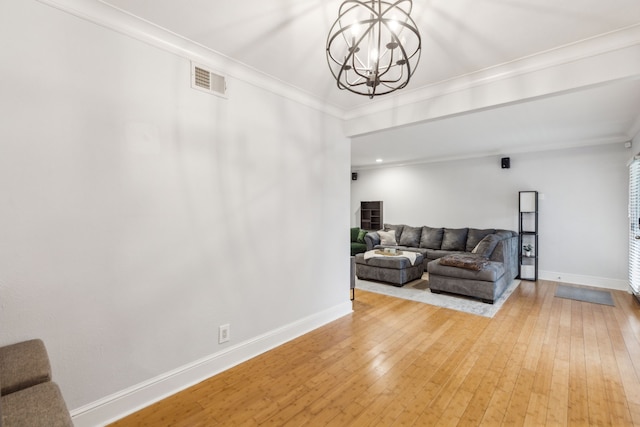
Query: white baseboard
(132, 399)
(598, 282)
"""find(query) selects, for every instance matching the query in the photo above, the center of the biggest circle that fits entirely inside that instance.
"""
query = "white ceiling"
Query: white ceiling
(286, 40)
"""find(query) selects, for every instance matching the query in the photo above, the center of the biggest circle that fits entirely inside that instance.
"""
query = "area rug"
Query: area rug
(418, 290)
(583, 294)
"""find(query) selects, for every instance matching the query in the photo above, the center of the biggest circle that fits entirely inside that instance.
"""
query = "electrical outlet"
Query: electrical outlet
(223, 333)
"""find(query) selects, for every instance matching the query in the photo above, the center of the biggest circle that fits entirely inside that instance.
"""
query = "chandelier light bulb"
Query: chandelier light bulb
(355, 30)
(374, 46)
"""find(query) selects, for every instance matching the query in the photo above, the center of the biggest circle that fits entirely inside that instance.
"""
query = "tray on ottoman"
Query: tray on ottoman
(396, 270)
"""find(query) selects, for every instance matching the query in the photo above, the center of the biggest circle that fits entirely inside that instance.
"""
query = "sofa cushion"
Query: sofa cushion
(361, 235)
(23, 365)
(474, 236)
(40, 405)
(492, 272)
(486, 246)
(398, 229)
(431, 238)
(505, 234)
(410, 236)
(454, 239)
(465, 260)
(387, 237)
(439, 253)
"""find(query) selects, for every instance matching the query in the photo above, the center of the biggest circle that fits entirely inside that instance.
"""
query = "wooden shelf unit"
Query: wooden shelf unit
(371, 216)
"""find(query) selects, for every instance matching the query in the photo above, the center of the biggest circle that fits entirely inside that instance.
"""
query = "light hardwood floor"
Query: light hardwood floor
(540, 361)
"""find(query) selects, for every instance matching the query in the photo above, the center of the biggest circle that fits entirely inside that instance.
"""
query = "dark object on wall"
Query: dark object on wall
(506, 162)
(371, 216)
(354, 176)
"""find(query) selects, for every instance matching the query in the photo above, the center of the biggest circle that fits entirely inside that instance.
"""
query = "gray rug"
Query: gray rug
(586, 295)
(422, 284)
(418, 290)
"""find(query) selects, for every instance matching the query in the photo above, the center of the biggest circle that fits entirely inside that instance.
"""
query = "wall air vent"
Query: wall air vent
(208, 81)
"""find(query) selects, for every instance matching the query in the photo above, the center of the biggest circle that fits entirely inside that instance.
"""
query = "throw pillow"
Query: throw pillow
(431, 237)
(410, 236)
(454, 239)
(474, 237)
(398, 229)
(387, 238)
(361, 235)
(486, 246)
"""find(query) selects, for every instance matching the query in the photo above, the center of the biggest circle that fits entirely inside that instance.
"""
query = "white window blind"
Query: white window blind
(634, 226)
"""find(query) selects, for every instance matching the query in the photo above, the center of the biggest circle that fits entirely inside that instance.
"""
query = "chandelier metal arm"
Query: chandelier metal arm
(378, 60)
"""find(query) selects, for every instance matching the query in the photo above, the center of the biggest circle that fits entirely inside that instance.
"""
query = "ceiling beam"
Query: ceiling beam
(601, 60)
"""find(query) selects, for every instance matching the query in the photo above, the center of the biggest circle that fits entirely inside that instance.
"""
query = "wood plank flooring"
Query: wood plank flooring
(540, 361)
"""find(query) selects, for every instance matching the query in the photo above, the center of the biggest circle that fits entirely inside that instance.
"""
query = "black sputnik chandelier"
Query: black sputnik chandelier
(374, 46)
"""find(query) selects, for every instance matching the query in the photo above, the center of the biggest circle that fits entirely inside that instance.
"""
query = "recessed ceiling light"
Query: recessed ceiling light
(378, 160)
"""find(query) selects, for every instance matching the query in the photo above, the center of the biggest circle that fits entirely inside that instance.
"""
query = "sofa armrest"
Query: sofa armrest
(372, 239)
(23, 365)
(506, 252)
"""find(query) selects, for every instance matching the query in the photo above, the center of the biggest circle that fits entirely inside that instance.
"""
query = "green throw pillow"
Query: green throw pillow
(361, 235)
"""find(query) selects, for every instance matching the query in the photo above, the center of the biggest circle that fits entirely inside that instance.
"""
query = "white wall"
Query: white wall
(137, 215)
(583, 206)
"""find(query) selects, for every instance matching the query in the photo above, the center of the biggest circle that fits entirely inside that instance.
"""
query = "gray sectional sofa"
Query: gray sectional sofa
(478, 263)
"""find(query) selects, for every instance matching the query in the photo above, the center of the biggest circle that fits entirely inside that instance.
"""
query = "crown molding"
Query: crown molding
(110, 17)
(541, 74)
